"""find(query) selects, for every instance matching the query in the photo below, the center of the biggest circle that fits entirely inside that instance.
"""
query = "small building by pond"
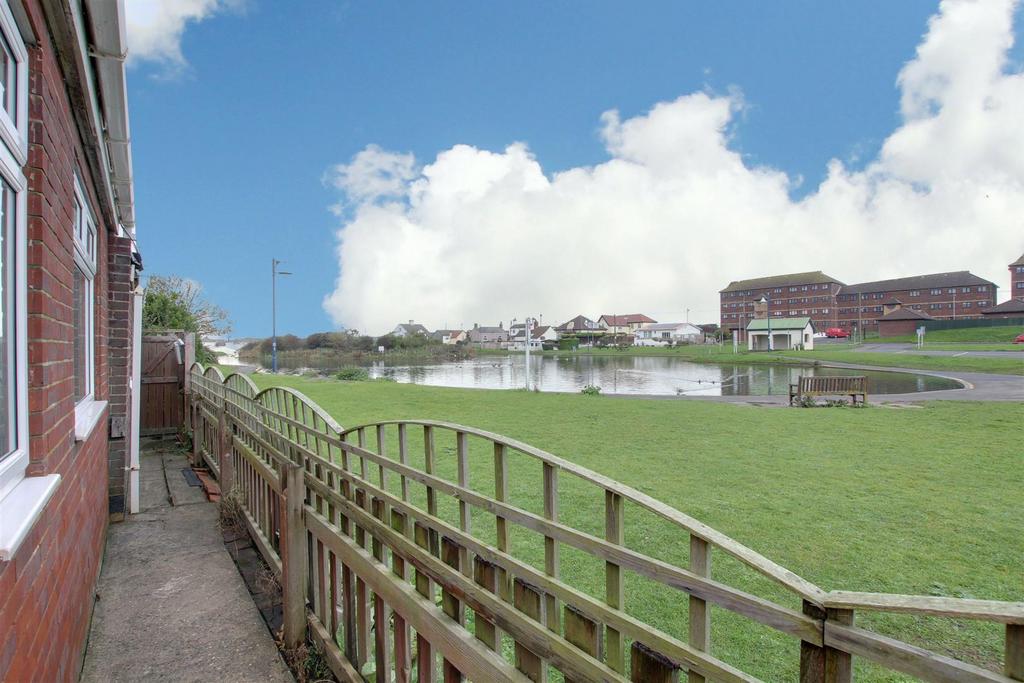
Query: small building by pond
(901, 321)
(786, 333)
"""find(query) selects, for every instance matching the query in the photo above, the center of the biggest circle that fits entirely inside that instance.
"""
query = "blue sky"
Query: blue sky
(231, 151)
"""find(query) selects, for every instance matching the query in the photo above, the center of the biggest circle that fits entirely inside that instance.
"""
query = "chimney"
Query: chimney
(410, 322)
(476, 326)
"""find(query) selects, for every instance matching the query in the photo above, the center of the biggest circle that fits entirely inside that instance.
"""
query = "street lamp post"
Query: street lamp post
(526, 330)
(768, 315)
(274, 272)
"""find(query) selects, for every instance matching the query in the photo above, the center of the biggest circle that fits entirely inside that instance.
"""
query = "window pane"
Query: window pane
(8, 79)
(8, 388)
(81, 323)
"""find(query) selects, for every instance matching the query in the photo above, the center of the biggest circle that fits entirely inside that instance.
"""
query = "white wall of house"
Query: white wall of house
(661, 334)
(757, 340)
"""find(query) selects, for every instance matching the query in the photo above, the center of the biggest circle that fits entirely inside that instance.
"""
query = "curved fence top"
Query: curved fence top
(214, 373)
(242, 384)
(295, 405)
(797, 584)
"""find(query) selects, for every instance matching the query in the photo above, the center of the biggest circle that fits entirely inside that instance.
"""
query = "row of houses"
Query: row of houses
(629, 328)
(828, 302)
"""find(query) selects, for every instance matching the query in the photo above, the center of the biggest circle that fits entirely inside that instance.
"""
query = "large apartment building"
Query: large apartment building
(943, 296)
(1017, 279)
(811, 295)
(830, 303)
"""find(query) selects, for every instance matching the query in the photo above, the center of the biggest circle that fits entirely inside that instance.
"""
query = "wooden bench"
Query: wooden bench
(830, 385)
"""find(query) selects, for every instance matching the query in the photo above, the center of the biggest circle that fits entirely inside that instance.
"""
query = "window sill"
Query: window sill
(21, 508)
(87, 415)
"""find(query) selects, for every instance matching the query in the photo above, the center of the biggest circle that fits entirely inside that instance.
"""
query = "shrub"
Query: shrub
(590, 390)
(353, 374)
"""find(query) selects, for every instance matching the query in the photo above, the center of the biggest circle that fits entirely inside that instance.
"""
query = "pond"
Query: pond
(641, 375)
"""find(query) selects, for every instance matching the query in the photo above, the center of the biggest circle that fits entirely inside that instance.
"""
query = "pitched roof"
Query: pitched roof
(780, 323)
(627, 319)
(958, 278)
(814, 277)
(413, 328)
(1019, 262)
(489, 330)
(1011, 306)
(580, 322)
(906, 314)
(438, 334)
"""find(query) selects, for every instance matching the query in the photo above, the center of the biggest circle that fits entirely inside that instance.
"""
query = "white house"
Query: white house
(786, 333)
(538, 335)
(449, 337)
(409, 329)
(627, 323)
(661, 334)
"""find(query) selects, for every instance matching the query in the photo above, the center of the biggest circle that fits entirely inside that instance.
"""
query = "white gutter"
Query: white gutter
(135, 386)
(109, 49)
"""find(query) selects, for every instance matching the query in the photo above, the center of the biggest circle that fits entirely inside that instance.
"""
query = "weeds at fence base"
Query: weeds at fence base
(307, 662)
(230, 508)
(591, 390)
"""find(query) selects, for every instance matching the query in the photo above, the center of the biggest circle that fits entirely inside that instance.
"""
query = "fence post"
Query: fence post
(838, 664)
(197, 431)
(1014, 662)
(812, 657)
(293, 563)
(224, 445)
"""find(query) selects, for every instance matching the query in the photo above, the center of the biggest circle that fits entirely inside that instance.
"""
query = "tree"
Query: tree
(174, 295)
(175, 303)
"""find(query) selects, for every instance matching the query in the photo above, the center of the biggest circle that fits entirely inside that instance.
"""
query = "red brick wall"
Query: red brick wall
(817, 302)
(119, 261)
(46, 590)
(1017, 282)
(941, 306)
(897, 328)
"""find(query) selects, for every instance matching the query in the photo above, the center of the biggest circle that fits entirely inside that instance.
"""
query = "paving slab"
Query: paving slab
(171, 605)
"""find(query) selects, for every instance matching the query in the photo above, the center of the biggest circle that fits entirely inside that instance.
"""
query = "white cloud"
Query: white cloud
(155, 27)
(675, 213)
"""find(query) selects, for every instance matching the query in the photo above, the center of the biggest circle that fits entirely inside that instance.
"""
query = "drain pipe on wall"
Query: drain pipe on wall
(136, 389)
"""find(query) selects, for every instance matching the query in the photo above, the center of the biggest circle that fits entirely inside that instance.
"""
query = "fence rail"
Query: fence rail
(399, 565)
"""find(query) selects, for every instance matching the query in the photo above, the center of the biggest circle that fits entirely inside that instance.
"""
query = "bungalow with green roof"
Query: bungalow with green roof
(786, 333)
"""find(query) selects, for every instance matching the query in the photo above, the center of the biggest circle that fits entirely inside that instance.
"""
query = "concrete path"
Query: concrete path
(171, 604)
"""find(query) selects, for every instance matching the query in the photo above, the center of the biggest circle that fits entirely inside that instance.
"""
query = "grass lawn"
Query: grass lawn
(914, 500)
(995, 334)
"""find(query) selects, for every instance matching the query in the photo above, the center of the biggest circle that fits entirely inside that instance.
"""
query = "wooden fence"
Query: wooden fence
(366, 526)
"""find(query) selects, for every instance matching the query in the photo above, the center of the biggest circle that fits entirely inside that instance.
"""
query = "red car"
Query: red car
(1019, 339)
(836, 333)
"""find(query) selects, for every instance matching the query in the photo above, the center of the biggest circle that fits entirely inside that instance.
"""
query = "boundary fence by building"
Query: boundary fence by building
(366, 525)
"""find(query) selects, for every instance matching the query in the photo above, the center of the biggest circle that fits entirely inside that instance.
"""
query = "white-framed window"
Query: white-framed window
(87, 409)
(13, 298)
(22, 498)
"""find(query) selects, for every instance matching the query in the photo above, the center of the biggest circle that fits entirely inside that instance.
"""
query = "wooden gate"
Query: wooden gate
(416, 550)
(165, 358)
